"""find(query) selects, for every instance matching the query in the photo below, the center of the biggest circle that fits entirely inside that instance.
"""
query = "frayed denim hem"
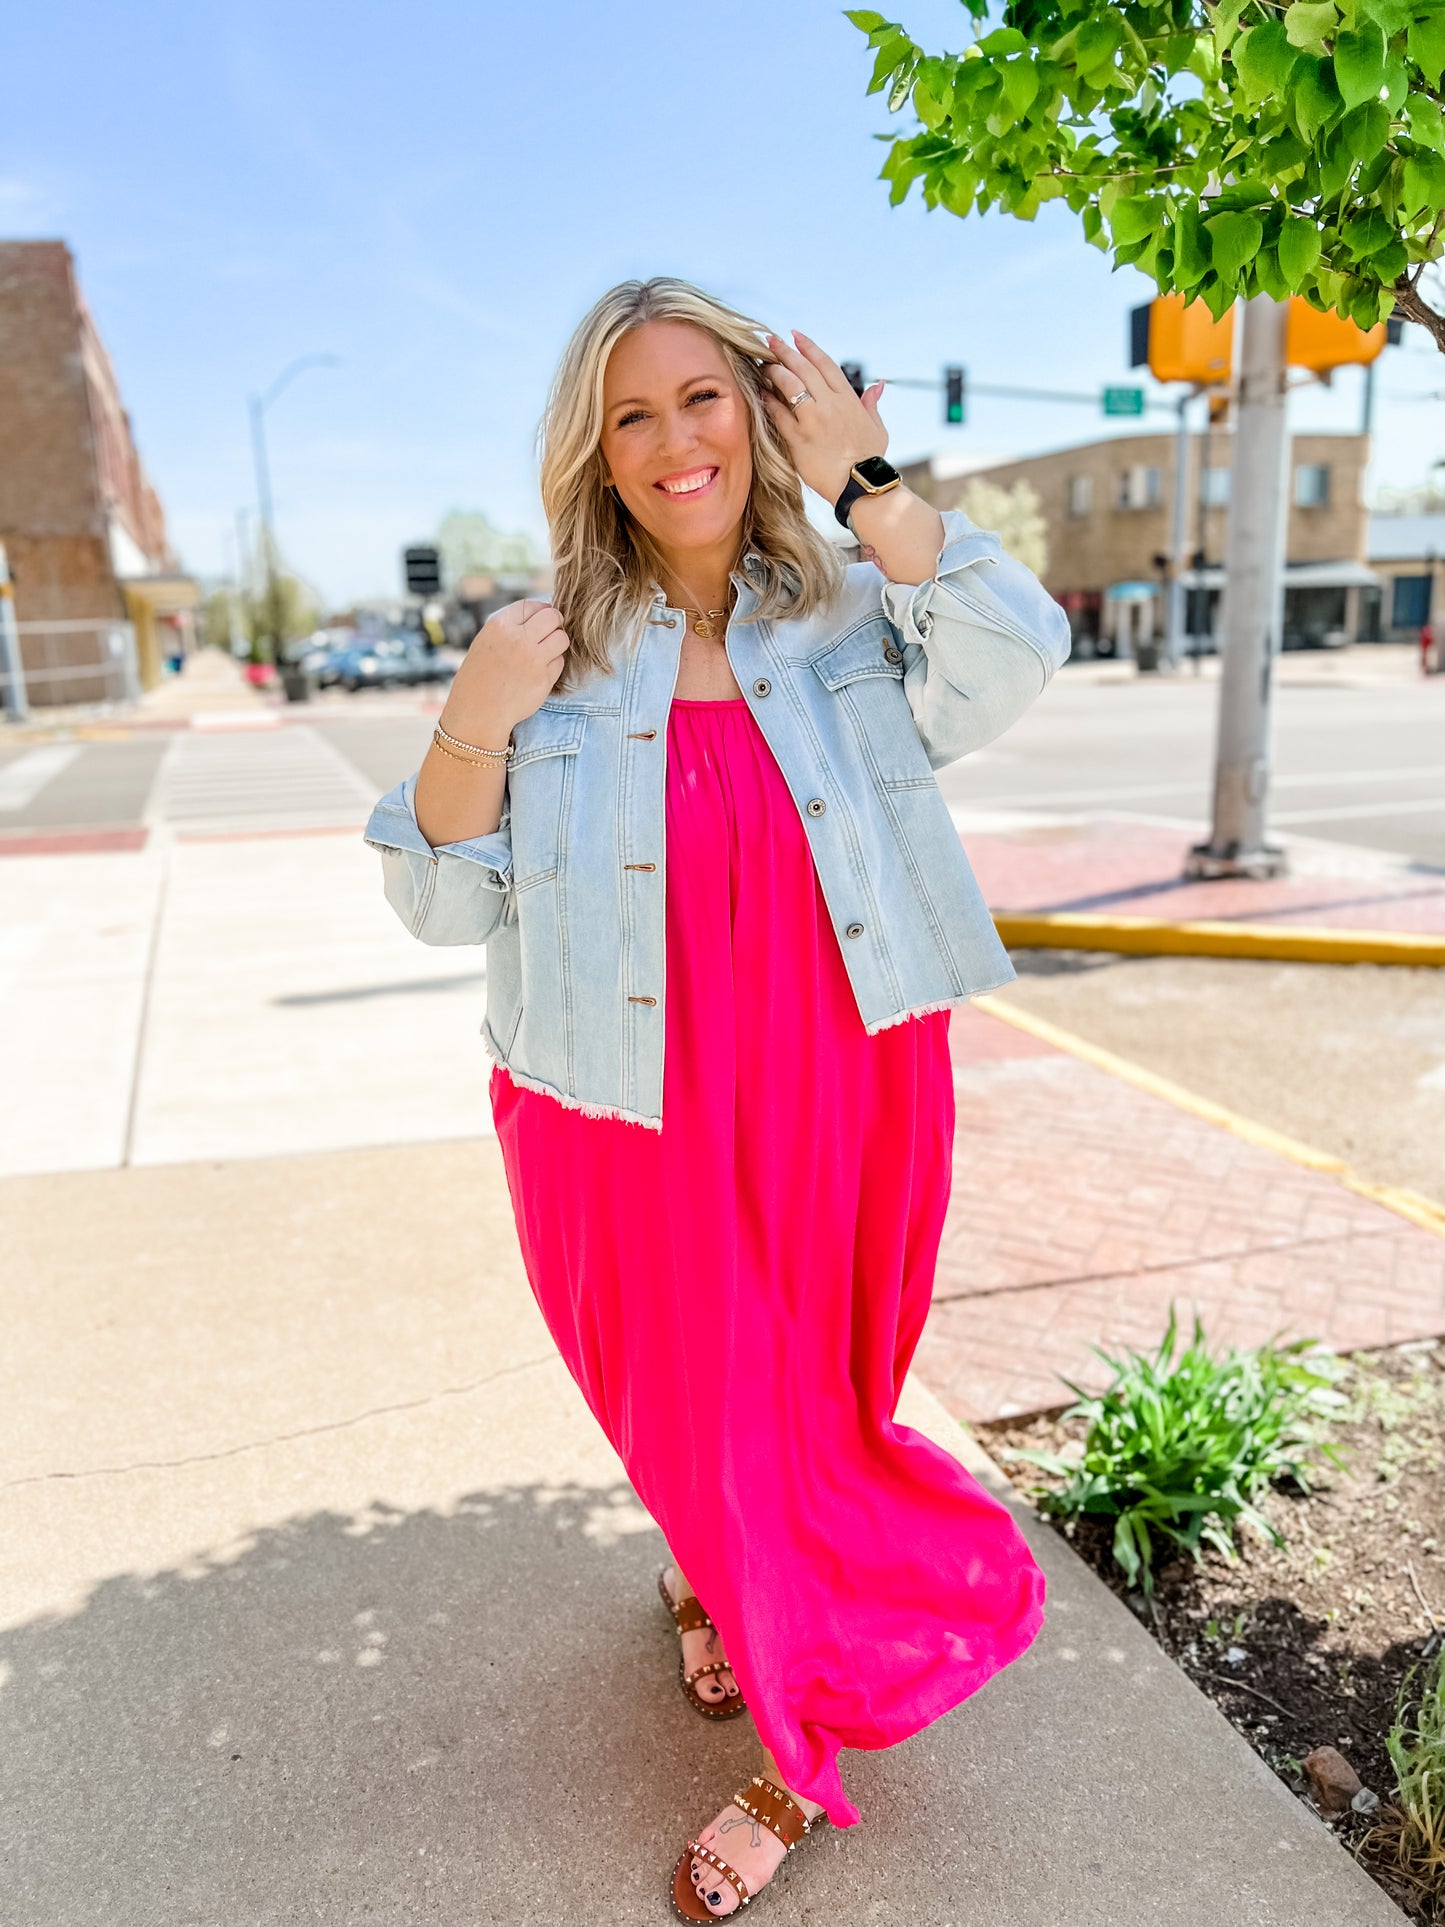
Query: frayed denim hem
(923, 1010)
(562, 1097)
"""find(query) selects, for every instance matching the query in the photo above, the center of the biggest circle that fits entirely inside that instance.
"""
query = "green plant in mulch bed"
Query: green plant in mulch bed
(1183, 1447)
(1412, 1832)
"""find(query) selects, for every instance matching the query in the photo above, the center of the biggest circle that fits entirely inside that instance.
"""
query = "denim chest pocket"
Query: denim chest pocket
(864, 672)
(540, 780)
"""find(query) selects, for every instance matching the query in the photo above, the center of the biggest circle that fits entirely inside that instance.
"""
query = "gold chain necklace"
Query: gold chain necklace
(704, 620)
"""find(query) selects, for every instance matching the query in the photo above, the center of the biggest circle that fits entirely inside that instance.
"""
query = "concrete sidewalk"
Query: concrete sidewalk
(1120, 866)
(324, 1600)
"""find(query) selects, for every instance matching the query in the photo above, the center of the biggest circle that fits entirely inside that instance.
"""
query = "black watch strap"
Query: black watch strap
(881, 475)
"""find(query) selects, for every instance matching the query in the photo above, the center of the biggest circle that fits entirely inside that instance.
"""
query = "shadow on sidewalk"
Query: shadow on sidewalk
(472, 1717)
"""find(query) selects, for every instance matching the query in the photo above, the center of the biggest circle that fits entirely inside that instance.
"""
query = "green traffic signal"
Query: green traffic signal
(953, 396)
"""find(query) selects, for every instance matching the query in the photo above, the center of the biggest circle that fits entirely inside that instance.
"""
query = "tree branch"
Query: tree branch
(1410, 305)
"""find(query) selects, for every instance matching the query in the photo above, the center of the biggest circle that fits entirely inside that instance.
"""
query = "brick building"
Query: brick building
(98, 596)
(1109, 510)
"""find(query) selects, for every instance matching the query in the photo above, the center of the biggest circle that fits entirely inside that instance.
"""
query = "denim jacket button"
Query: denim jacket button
(891, 651)
(762, 687)
(855, 929)
(816, 806)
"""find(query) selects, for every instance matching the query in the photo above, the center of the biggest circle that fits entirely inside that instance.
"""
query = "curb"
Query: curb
(1153, 937)
(1410, 1205)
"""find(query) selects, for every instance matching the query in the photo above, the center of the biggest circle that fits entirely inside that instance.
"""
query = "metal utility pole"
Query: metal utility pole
(259, 405)
(1251, 615)
(12, 669)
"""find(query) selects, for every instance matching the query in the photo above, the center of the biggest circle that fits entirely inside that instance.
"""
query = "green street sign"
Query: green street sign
(1123, 401)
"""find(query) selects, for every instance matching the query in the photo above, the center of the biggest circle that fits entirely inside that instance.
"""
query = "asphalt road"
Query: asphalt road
(1355, 763)
(1352, 764)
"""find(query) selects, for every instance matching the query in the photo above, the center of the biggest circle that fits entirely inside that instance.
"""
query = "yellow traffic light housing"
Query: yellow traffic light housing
(1182, 343)
(1187, 343)
(1321, 342)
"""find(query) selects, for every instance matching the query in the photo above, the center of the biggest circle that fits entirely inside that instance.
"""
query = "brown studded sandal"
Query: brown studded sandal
(689, 1617)
(772, 1808)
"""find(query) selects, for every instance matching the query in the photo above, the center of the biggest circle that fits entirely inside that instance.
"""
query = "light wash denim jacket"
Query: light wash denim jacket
(859, 705)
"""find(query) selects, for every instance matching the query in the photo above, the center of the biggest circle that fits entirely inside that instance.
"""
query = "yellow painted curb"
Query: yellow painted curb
(1419, 1210)
(1154, 937)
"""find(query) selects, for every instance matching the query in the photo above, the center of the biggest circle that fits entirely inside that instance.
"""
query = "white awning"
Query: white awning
(1297, 575)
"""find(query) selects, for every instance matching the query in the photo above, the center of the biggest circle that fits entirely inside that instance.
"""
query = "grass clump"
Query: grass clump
(1181, 1448)
(1412, 1831)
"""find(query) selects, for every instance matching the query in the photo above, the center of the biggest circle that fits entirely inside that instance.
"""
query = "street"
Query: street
(199, 962)
(1359, 760)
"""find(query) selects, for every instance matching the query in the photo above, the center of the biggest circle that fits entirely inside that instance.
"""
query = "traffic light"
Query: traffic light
(1179, 342)
(423, 571)
(853, 375)
(954, 394)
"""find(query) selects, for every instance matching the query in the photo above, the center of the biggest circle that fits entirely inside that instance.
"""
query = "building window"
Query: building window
(1214, 488)
(1139, 488)
(1410, 608)
(1081, 494)
(1312, 485)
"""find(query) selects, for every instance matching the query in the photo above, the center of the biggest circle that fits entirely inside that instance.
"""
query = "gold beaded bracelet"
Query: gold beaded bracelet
(474, 754)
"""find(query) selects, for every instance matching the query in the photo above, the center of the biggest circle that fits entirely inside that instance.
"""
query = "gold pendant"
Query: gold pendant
(703, 628)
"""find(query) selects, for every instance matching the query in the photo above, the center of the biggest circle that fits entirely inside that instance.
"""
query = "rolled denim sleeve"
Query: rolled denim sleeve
(980, 640)
(456, 893)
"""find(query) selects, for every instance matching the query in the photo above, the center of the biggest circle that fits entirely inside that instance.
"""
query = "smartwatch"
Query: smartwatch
(871, 476)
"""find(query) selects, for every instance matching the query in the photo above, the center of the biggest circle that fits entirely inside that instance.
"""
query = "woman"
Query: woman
(690, 807)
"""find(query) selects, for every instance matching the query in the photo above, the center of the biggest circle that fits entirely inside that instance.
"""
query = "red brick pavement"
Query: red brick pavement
(1133, 869)
(1083, 1205)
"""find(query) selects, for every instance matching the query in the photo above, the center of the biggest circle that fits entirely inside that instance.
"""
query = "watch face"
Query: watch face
(876, 472)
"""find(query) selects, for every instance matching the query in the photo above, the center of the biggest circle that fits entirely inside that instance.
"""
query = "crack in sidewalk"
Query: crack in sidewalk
(286, 1438)
(1161, 1264)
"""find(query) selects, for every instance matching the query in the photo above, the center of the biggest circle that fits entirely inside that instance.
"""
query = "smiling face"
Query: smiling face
(675, 437)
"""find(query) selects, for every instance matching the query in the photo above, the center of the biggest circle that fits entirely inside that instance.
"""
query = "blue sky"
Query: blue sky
(434, 192)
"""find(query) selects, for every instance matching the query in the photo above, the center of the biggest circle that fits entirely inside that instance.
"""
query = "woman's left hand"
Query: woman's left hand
(827, 435)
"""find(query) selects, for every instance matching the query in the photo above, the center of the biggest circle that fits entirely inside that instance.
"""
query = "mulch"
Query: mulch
(1309, 1644)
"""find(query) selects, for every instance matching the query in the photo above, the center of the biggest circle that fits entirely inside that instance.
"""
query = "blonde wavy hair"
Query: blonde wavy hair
(605, 565)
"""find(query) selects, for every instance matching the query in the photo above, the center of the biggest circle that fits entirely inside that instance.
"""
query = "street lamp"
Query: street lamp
(259, 405)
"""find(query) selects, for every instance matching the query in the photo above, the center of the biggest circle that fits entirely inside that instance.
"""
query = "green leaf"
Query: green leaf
(1423, 185)
(1096, 41)
(1426, 44)
(1264, 59)
(1360, 64)
(1393, 15)
(1135, 218)
(1003, 40)
(1365, 234)
(894, 52)
(1298, 249)
(866, 22)
(1020, 83)
(1307, 24)
(1366, 129)
(1427, 123)
(1233, 238)
(902, 87)
(1191, 247)
(1314, 97)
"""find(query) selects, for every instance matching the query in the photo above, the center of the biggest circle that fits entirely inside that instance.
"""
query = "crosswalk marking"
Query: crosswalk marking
(292, 778)
(23, 780)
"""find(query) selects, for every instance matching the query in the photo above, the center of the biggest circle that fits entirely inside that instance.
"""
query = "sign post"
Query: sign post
(12, 670)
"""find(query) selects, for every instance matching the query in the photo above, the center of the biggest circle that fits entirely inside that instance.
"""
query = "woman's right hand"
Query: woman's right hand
(509, 672)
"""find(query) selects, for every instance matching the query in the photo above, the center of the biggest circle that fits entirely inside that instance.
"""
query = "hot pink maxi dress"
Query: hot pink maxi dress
(739, 1295)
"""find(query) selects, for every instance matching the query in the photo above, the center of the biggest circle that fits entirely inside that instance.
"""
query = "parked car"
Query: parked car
(389, 662)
